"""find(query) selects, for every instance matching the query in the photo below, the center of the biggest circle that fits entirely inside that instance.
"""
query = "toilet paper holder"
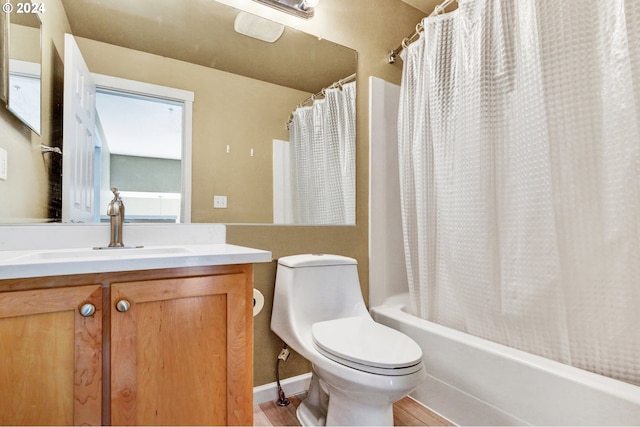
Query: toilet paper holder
(258, 302)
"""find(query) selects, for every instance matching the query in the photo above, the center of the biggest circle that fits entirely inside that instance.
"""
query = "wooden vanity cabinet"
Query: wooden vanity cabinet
(175, 347)
(51, 356)
(181, 351)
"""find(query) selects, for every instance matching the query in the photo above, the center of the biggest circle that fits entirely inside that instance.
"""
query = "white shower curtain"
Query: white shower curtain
(520, 160)
(323, 146)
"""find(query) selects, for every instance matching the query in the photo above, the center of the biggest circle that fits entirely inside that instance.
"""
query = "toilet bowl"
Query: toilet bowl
(360, 367)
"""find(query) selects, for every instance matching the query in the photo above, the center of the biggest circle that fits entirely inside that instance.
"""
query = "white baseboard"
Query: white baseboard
(290, 386)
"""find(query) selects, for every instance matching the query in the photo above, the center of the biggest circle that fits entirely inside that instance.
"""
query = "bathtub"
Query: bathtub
(472, 381)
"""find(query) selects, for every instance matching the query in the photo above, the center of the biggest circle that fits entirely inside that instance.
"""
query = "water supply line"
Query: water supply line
(283, 356)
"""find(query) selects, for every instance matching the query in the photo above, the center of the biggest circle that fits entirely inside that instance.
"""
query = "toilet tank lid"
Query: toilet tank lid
(315, 260)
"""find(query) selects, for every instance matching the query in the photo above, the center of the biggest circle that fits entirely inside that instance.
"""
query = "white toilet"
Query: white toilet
(360, 367)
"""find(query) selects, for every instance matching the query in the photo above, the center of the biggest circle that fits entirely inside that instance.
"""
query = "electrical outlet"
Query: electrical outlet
(220, 202)
(284, 354)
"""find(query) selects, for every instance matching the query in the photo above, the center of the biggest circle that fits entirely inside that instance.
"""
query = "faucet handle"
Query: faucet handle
(115, 206)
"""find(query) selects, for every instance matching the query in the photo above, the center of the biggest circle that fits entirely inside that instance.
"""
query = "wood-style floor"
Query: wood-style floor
(406, 412)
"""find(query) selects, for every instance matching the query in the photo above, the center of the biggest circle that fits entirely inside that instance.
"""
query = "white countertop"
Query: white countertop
(15, 264)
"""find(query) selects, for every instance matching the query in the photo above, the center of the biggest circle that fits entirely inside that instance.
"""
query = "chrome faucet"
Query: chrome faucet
(115, 210)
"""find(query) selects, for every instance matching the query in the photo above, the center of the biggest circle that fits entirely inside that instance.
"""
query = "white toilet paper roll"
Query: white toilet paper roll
(258, 302)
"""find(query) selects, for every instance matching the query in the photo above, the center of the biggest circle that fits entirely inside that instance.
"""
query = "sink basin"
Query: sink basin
(100, 253)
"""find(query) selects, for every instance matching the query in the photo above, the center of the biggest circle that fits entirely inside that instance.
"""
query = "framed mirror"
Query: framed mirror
(245, 90)
(24, 88)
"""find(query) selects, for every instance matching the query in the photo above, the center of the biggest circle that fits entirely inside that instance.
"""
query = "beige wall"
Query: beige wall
(25, 43)
(25, 175)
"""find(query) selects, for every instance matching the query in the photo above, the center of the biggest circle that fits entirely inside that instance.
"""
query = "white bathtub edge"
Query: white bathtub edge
(569, 396)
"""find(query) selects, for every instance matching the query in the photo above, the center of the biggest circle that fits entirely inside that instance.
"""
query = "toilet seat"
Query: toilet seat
(361, 343)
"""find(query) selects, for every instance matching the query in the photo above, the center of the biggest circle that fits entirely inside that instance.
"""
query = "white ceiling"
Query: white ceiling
(143, 127)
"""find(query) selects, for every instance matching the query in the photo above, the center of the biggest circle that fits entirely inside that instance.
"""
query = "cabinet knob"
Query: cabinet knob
(87, 310)
(123, 306)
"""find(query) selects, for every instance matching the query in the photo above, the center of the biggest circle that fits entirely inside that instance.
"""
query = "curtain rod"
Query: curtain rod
(334, 85)
(313, 97)
(393, 54)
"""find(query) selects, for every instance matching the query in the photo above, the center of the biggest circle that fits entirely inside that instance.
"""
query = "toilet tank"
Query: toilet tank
(312, 288)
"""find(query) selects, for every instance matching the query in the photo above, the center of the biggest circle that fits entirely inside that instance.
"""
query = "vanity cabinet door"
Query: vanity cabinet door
(51, 356)
(181, 351)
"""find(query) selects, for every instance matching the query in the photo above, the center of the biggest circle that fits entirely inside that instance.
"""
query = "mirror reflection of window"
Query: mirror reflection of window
(141, 152)
(24, 92)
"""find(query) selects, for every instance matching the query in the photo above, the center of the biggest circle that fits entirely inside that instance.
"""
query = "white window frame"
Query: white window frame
(110, 83)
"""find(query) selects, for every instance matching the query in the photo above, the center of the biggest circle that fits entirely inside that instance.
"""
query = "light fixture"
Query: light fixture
(257, 27)
(301, 8)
